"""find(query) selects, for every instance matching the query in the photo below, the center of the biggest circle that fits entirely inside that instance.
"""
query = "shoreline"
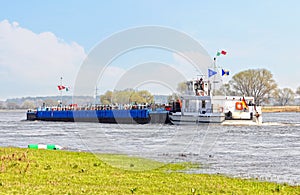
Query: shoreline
(280, 109)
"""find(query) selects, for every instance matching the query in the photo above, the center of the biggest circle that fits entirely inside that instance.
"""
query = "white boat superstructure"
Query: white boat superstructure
(197, 106)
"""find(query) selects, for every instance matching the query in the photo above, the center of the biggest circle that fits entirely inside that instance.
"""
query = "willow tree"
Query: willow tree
(258, 83)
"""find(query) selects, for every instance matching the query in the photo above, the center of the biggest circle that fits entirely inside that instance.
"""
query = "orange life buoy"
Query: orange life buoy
(239, 106)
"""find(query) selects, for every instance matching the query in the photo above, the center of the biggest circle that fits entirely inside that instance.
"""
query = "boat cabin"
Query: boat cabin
(198, 105)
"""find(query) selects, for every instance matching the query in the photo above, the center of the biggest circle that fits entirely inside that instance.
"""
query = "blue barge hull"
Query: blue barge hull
(102, 116)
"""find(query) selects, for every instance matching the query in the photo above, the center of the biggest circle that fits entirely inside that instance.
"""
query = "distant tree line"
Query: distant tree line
(258, 83)
(127, 96)
(34, 102)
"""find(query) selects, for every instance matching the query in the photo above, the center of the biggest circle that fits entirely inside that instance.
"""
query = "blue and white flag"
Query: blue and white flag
(211, 73)
(225, 72)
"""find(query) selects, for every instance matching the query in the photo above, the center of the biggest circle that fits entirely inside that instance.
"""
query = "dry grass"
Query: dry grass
(281, 109)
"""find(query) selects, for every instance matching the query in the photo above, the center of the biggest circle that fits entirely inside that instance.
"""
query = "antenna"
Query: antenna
(96, 94)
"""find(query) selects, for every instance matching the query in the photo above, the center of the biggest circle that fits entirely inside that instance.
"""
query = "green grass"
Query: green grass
(26, 171)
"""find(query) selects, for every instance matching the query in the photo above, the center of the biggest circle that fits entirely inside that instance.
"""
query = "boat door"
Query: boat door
(202, 106)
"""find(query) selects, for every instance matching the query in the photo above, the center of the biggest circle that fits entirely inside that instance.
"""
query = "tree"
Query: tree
(12, 105)
(28, 104)
(173, 97)
(284, 96)
(182, 87)
(2, 105)
(135, 98)
(225, 89)
(127, 96)
(258, 83)
(298, 91)
(123, 97)
(107, 98)
(146, 95)
(50, 102)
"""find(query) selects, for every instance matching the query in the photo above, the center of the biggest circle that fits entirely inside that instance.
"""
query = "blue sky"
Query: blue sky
(256, 34)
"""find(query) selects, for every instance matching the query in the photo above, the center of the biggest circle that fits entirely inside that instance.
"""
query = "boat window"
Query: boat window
(203, 104)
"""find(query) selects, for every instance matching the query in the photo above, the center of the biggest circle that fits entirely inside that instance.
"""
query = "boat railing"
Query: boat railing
(73, 107)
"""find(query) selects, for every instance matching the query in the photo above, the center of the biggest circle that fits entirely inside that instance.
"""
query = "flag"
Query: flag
(225, 72)
(223, 52)
(61, 87)
(211, 72)
(244, 103)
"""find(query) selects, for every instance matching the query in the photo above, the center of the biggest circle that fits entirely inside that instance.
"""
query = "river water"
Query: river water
(268, 152)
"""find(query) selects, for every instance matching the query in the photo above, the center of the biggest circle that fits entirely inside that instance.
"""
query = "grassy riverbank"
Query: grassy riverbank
(281, 109)
(60, 172)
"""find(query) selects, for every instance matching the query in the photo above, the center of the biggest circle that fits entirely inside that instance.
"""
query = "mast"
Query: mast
(217, 68)
(61, 92)
(214, 81)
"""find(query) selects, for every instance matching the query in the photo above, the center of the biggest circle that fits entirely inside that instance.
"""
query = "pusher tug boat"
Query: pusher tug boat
(197, 106)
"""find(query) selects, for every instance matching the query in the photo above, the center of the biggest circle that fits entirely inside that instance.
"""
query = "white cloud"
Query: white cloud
(32, 64)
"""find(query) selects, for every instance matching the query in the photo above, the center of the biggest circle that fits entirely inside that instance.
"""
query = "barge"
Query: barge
(140, 116)
(195, 106)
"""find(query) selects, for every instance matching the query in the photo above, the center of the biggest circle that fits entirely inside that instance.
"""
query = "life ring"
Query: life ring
(239, 106)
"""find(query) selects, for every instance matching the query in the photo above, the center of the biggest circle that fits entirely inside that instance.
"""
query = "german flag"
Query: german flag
(244, 103)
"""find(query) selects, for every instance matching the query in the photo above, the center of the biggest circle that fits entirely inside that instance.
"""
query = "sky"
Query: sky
(42, 41)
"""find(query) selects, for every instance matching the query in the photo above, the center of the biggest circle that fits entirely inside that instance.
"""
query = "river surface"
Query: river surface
(268, 152)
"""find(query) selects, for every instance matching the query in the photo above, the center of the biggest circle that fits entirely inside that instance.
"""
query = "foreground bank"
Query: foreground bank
(59, 172)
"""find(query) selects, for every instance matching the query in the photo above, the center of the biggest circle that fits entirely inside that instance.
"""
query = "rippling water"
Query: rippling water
(268, 152)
